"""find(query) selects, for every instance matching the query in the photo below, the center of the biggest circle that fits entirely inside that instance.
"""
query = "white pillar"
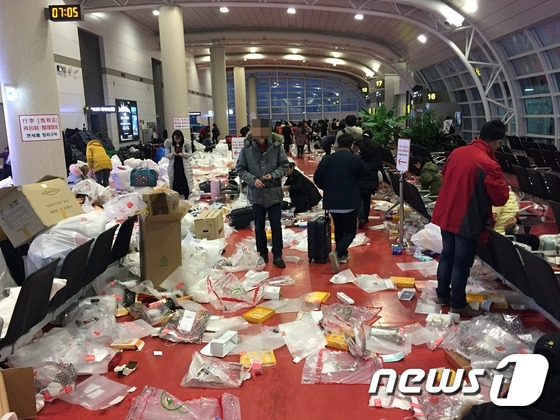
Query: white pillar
(252, 97)
(174, 66)
(219, 88)
(26, 57)
(240, 98)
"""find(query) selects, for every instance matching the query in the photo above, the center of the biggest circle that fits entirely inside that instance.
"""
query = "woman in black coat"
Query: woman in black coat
(370, 152)
(303, 193)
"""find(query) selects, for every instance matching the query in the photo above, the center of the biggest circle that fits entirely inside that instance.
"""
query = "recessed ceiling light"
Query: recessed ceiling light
(224, 9)
(334, 61)
(336, 54)
(155, 12)
(291, 11)
(294, 57)
(253, 56)
(422, 38)
(358, 16)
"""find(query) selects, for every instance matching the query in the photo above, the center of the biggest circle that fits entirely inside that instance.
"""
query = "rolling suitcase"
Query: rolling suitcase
(319, 238)
(241, 218)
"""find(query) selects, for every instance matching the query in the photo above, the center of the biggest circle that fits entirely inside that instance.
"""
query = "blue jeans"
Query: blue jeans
(455, 262)
(344, 231)
(274, 216)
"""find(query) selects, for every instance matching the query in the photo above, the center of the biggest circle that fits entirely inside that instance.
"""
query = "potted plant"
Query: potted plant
(386, 128)
(426, 130)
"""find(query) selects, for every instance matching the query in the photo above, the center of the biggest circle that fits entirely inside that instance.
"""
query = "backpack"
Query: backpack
(451, 129)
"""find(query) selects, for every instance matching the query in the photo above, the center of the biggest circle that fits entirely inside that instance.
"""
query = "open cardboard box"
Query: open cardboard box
(26, 210)
(17, 392)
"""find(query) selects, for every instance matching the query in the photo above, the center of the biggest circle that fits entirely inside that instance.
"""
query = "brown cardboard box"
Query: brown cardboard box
(17, 392)
(26, 210)
(210, 225)
(456, 360)
(162, 202)
(160, 245)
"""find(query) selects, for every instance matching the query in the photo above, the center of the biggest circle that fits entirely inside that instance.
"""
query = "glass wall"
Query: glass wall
(297, 96)
(532, 61)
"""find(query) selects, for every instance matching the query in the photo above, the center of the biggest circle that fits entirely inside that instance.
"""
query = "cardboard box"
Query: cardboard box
(26, 210)
(403, 281)
(17, 392)
(456, 360)
(258, 314)
(162, 202)
(160, 245)
(209, 225)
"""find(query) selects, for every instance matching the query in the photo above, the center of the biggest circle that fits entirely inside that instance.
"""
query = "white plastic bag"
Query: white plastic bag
(121, 177)
(428, 238)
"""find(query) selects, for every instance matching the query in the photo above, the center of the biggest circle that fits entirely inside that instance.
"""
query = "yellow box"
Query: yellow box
(450, 379)
(258, 314)
(266, 357)
(336, 341)
(403, 281)
(500, 301)
(475, 297)
(317, 297)
(210, 225)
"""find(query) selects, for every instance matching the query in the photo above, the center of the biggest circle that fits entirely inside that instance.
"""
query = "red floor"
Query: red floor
(278, 393)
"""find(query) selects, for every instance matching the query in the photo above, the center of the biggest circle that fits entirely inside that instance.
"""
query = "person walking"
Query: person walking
(180, 172)
(370, 152)
(99, 161)
(215, 133)
(261, 164)
(338, 175)
(472, 183)
(300, 137)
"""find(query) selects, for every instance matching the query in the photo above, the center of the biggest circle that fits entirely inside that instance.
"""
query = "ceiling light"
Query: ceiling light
(358, 16)
(334, 61)
(471, 6)
(336, 54)
(253, 56)
(369, 73)
(422, 38)
(294, 51)
(252, 50)
(224, 9)
(155, 12)
(291, 11)
(294, 57)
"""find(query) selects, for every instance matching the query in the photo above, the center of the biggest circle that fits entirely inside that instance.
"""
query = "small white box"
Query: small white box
(219, 347)
(407, 293)
(272, 292)
(345, 298)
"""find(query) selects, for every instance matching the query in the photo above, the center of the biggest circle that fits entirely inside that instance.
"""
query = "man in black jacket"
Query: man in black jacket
(303, 193)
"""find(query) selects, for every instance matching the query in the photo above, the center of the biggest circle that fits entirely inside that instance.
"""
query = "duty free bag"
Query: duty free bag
(143, 177)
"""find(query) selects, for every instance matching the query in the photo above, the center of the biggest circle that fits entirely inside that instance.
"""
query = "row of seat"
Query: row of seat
(526, 271)
(80, 267)
(544, 185)
(526, 143)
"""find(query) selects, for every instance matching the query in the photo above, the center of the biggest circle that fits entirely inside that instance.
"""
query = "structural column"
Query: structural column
(240, 98)
(252, 97)
(174, 69)
(27, 63)
(219, 88)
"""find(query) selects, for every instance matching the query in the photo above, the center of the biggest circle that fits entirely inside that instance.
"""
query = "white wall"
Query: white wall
(126, 47)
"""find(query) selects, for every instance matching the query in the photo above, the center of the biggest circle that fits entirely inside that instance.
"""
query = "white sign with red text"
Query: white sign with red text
(39, 127)
(403, 155)
(181, 123)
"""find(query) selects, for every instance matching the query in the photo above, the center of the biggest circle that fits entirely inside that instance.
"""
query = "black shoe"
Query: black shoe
(279, 262)
(265, 258)
(361, 224)
(444, 301)
(466, 312)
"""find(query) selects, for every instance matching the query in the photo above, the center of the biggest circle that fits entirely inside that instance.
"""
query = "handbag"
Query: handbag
(143, 177)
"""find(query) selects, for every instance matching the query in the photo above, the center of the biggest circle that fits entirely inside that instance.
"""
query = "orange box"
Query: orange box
(258, 314)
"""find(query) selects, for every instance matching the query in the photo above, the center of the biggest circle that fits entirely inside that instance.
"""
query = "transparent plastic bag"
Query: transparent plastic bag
(210, 372)
(185, 326)
(54, 379)
(157, 404)
(230, 294)
(303, 337)
(97, 393)
(341, 367)
(339, 318)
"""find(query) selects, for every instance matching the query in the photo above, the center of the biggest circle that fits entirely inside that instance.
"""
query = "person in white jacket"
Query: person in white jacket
(180, 170)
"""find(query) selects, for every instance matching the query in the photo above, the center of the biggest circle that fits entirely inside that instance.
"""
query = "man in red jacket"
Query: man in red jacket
(472, 183)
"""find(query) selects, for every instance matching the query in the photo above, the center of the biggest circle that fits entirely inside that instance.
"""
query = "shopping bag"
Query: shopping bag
(143, 177)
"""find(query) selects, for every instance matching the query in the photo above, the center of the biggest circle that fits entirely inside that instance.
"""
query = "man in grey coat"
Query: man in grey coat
(261, 164)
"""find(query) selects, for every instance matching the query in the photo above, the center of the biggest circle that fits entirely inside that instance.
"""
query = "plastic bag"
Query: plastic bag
(185, 326)
(210, 372)
(428, 238)
(339, 318)
(54, 379)
(230, 294)
(303, 337)
(96, 393)
(330, 366)
(124, 206)
(121, 177)
(157, 404)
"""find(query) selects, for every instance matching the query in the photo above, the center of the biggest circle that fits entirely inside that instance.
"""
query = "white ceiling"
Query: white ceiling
(385, 37)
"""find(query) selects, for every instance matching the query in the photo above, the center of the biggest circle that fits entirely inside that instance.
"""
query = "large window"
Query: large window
(296, 96)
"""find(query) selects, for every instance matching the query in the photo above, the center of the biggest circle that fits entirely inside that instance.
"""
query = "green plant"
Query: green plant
(425, 130)
(386, 128)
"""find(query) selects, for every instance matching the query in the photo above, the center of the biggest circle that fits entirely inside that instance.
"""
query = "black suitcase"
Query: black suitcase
(241, 218)
(319, 238)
